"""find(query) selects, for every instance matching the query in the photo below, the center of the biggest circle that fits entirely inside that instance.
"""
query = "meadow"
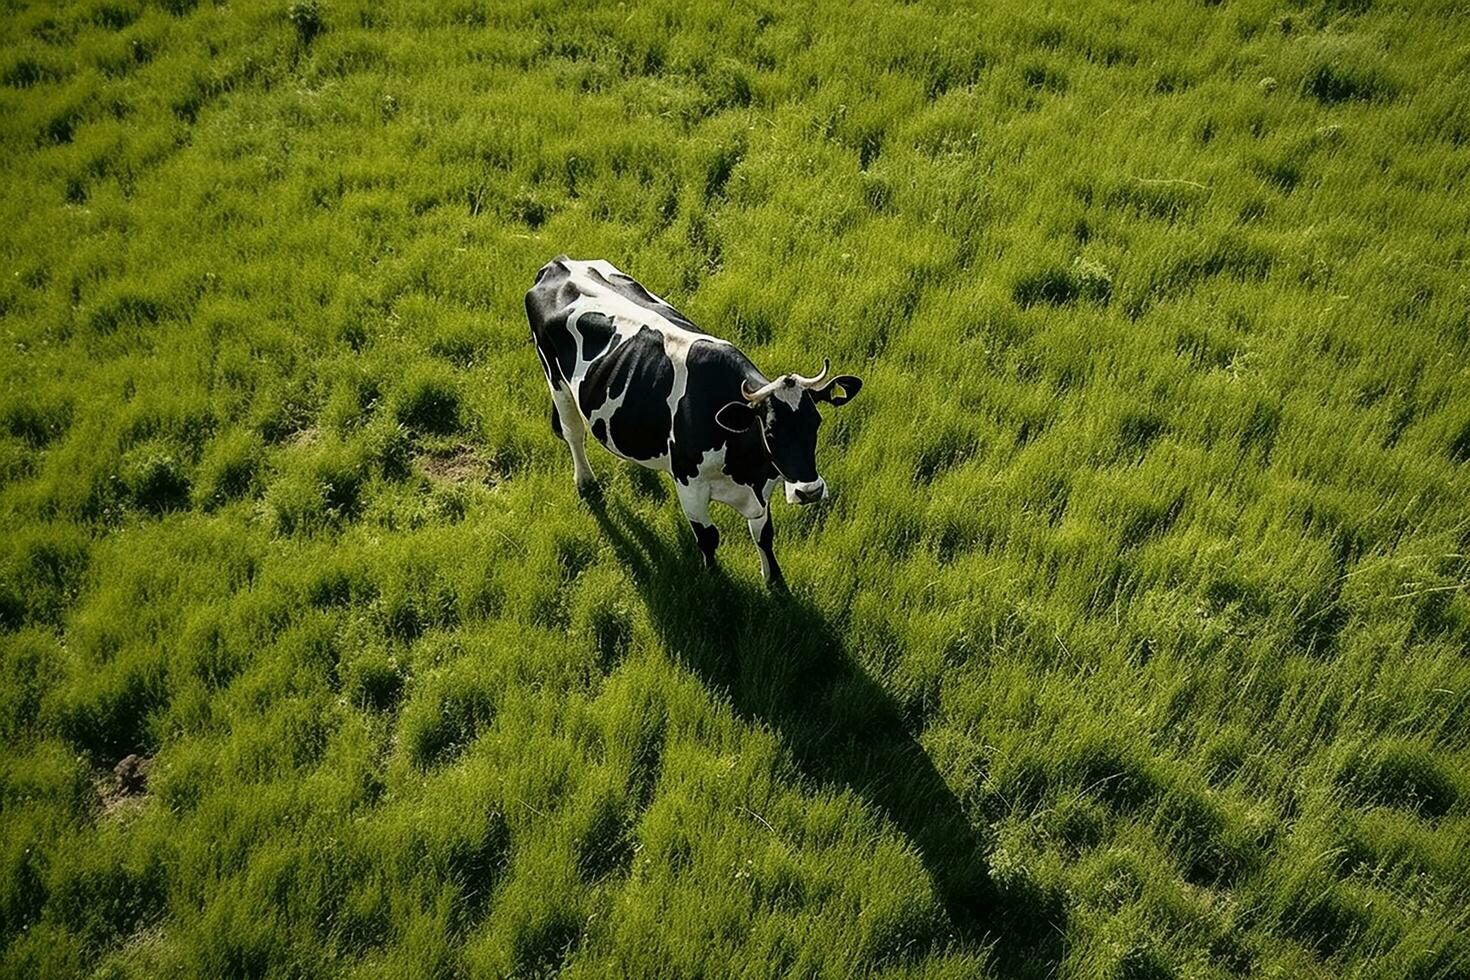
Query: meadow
(1133, 642)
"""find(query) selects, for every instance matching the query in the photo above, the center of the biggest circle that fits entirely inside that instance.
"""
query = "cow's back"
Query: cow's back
(633, 363)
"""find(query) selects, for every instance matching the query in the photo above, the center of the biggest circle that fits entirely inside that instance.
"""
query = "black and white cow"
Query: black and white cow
(656, 389)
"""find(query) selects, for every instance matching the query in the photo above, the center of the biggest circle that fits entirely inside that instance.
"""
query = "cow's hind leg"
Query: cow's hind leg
(694, 497)
(567, 423)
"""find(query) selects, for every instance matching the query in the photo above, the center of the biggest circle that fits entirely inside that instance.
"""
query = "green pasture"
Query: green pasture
(1133, 642)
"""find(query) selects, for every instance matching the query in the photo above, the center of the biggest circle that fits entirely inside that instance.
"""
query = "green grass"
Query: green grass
(1132, 642)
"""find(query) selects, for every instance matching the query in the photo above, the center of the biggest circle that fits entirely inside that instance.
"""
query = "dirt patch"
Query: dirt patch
(458, 465)
(126, 787)
(307, 437)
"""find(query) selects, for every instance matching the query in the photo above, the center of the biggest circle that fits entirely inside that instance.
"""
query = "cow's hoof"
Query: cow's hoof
(777, 585)
(589, 490)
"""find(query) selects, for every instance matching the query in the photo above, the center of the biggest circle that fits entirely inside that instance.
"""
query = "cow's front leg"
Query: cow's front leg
(763, 534)
(566, 421)
(694, 497)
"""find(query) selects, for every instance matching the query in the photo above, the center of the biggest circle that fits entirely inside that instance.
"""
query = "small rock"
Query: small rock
(1268, 85)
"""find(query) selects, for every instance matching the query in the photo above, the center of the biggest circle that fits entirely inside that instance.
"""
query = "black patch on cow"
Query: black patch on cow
(599, 431)
(639, 429)
(839, 391)
(708, 537)
(547, 303)
(597, 333)
(556, 421)
(631, 289)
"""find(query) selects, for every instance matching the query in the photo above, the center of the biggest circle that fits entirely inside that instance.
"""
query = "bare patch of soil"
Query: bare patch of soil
(126, 788)
(458, 465)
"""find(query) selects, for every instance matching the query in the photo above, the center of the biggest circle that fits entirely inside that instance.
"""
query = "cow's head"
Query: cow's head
(785, 413)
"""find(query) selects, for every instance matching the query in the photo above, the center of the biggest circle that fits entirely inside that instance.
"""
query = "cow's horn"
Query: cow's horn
(761, 393)
(813, 382)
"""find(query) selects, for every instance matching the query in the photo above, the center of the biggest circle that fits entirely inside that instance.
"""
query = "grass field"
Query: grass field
(1134, 641)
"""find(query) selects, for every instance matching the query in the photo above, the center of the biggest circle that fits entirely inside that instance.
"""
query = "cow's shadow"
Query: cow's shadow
(782, 664)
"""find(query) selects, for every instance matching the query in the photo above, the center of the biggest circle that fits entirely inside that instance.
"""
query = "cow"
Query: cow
(657, 390)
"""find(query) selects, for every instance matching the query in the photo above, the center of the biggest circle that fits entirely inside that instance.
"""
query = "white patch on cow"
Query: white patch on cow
(694, 498)
(596, 296)
(758, 525)
(711, 461)
(604, 414)
(609, 270)
(788, 393)
(573, 432)
(815, 486)
(743, 498)
(739, 496)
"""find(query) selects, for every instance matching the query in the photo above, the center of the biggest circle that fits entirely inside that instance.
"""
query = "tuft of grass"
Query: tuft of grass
(322, 487)
(429, 401)
(230, 470)
(37, 423)
(442, 716)
(306, 16)
(1344, 74)
(155, 478)
(43, 573)
(1086, 280)
(1404, 775)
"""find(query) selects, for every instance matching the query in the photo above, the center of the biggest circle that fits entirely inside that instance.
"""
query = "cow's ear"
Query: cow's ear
(736, 417)
(840, 390)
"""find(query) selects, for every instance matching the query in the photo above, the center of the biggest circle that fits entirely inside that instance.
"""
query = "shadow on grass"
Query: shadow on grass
(783, 664)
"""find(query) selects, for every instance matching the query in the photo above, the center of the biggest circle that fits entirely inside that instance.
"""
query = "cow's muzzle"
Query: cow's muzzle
(806, 493)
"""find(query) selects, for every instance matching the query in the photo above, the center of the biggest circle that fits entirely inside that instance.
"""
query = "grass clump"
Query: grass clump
(429, 401)
(306, 16)
(321, 488)
(230, 470)
(442, 716)
(1403, 775)
(155, 479)
(36, 423)
(1085, 280)
(1344, 73)
(42, 574)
